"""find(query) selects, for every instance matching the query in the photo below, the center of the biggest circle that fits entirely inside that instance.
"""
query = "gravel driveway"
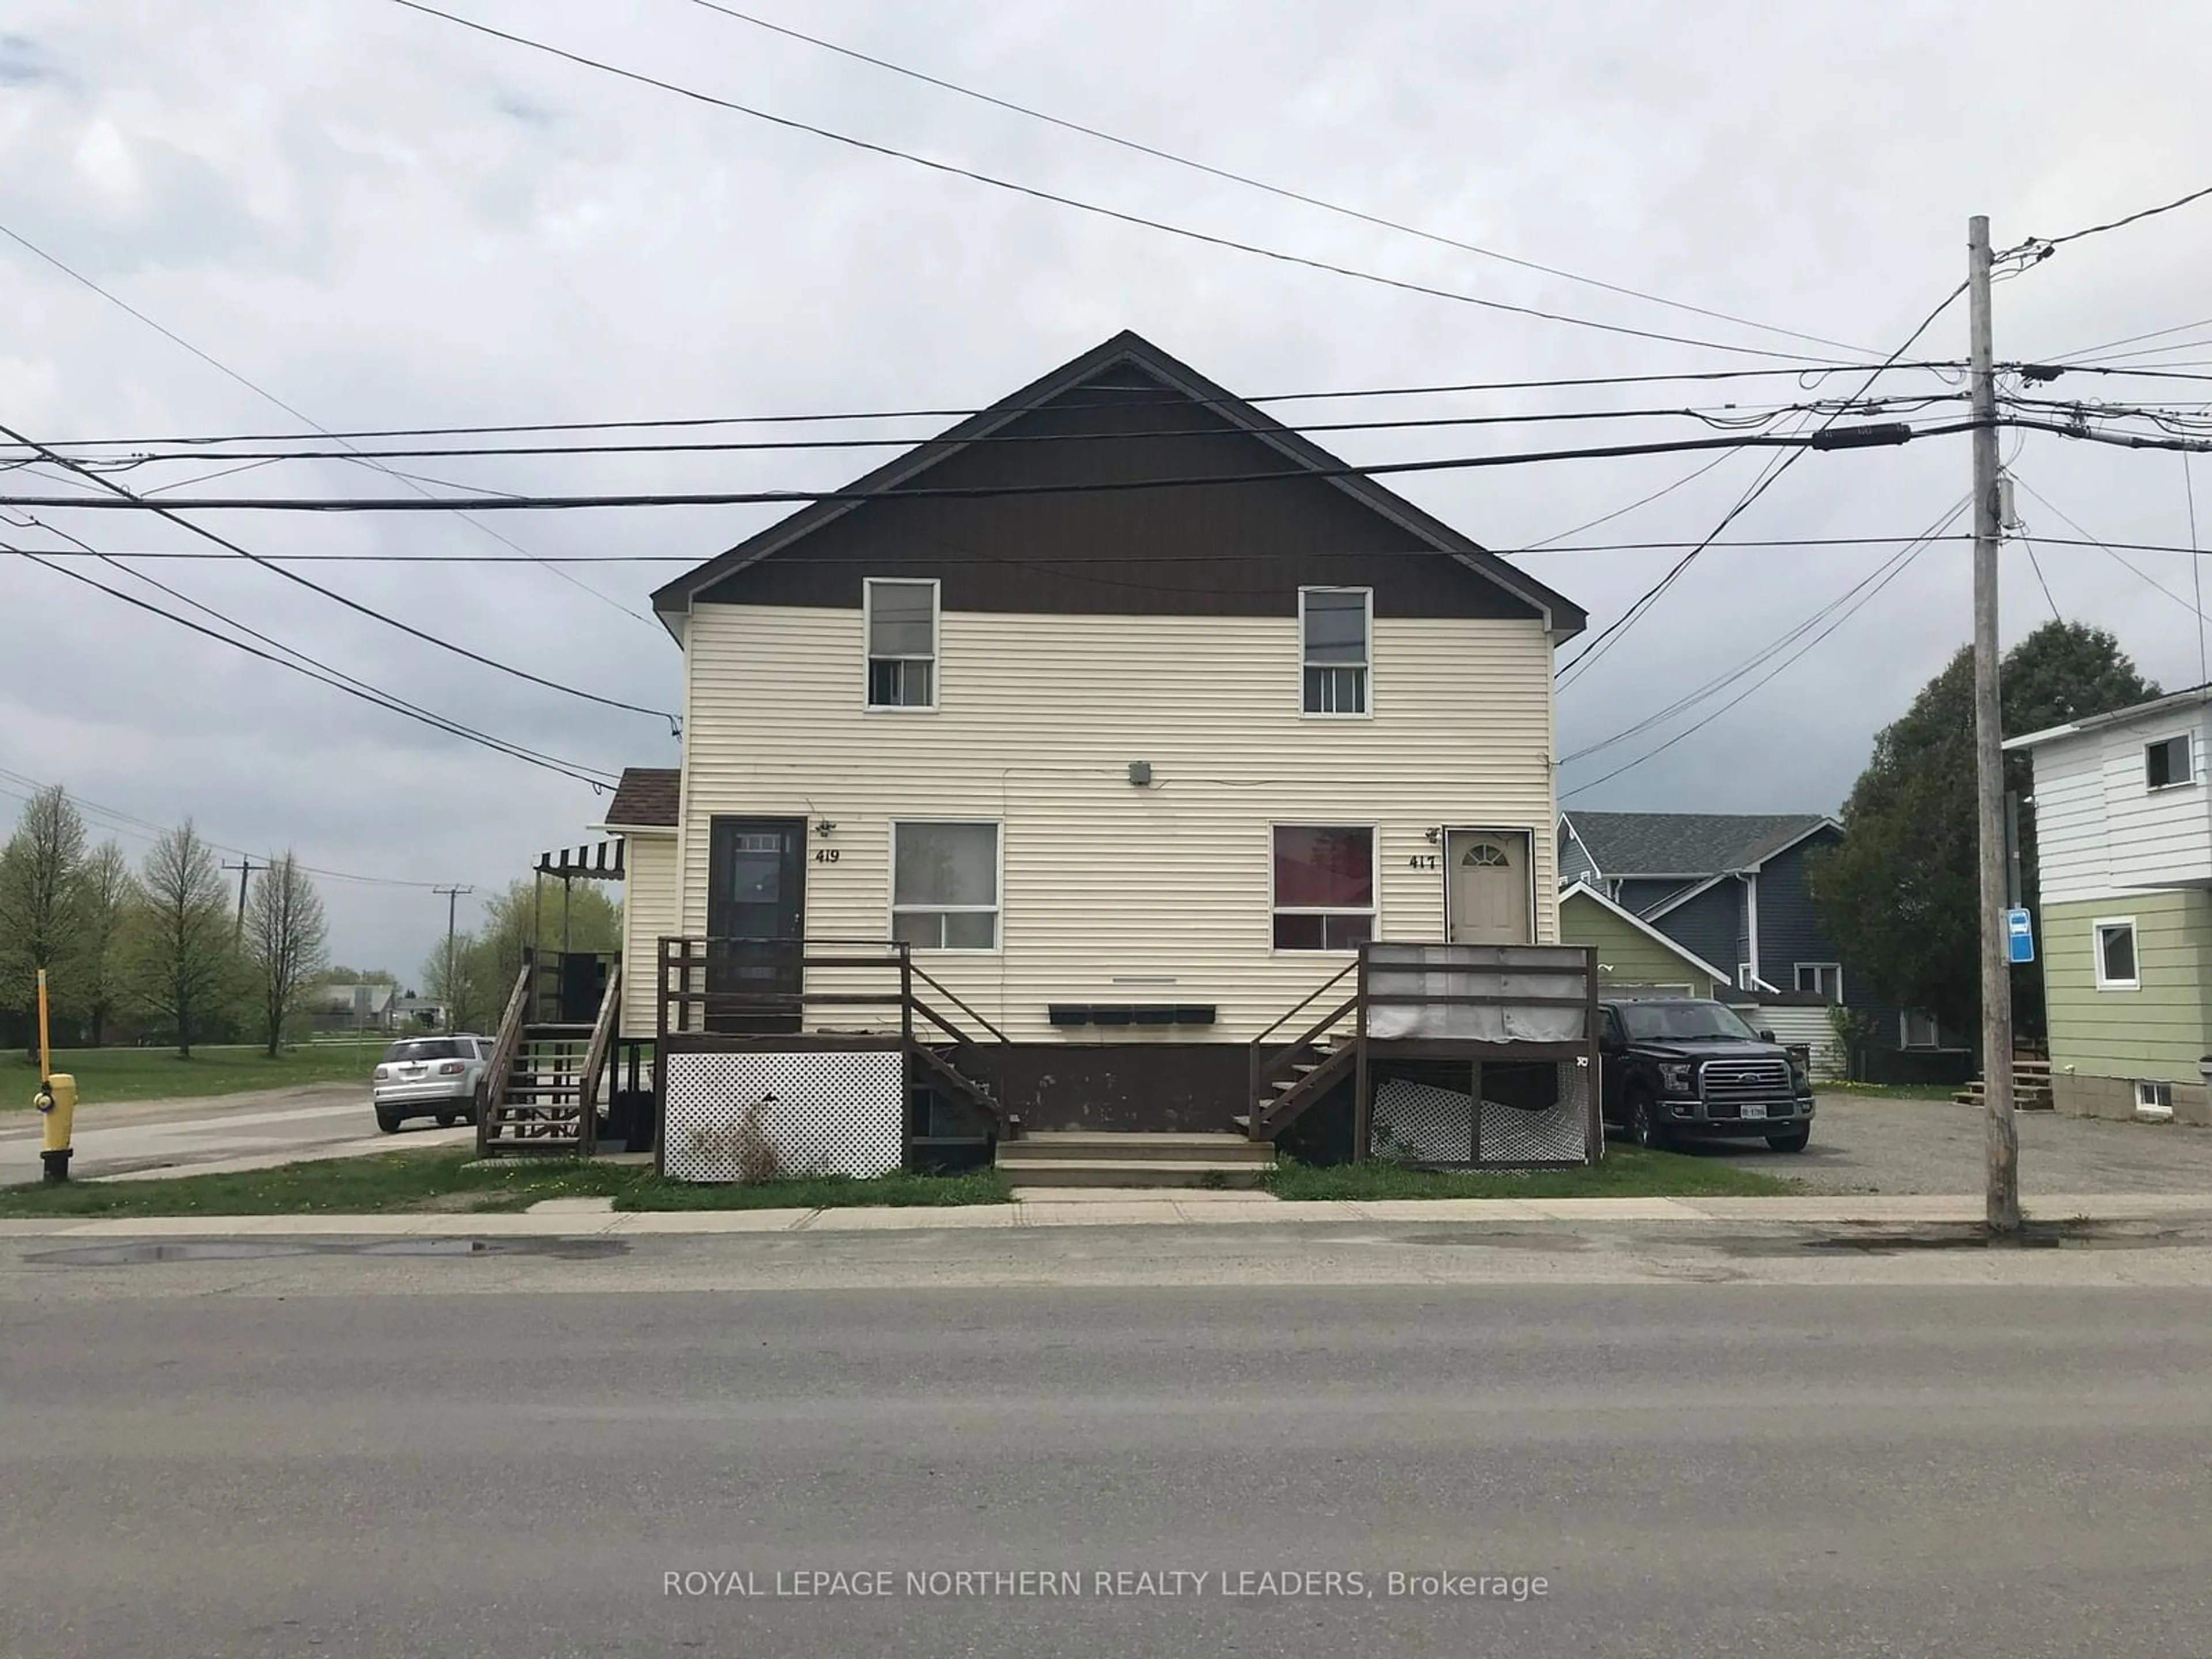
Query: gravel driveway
(1863, 1143)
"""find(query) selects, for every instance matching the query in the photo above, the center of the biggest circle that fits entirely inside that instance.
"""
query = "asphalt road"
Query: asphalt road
(276, 1124)
(377, 1466)
(1873, 1145)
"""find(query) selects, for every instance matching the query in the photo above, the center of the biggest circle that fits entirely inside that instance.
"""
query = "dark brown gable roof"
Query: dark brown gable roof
(646, 798)
(1229, 548)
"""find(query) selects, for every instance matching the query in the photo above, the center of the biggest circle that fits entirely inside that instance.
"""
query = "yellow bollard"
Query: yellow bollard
(57, 1103)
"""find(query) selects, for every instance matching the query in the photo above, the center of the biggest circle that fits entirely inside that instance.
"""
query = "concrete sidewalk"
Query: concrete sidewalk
(573, 1218)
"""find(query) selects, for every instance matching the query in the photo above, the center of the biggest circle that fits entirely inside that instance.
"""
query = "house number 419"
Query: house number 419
(825, 855)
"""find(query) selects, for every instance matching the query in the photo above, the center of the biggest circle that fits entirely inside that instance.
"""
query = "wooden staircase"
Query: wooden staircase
(2031, 1084)
(1303, 1070)
(544, 1088)
(938, 1067)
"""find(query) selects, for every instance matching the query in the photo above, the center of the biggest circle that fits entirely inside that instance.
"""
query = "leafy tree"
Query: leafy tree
(593, 923)
(183, 945)
(40, 871)
(106, 893)
(286, 942)
(1900, 896)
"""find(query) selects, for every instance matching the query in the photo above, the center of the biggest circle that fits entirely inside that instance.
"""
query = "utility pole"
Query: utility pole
(2002, 1133)
(452, 901)
(246, 868)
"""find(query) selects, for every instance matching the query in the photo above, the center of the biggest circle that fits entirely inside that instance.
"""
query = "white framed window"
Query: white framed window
(1336, 627)
(2169, 764)
(1918, 1029)
(945, 885)
(899, 617)
(1822, 979)
(2154, 1097)
(1744, 981)
(2113, 940)
(1324, 886)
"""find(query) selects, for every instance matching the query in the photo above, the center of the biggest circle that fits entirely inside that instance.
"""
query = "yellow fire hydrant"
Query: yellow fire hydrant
(57, 1103)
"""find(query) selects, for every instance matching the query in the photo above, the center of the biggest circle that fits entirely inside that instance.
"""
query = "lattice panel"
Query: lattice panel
(1419, 1123)
(762, 1113)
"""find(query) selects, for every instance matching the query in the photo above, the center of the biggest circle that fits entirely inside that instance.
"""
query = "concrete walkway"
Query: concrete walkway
(570, 1217)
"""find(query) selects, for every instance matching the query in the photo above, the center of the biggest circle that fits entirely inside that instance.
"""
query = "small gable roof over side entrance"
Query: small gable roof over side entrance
(1056, 498)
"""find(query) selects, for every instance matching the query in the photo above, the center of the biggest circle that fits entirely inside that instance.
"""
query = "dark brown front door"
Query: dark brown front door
(756, 919)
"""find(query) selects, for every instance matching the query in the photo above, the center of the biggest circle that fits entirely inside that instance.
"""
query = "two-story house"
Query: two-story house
(1731, 891)
(1130, 711)
(2123, 842)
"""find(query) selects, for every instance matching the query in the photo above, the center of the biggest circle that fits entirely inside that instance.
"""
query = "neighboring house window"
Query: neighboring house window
(1333, 625)
(2167, 763)
(1324, 888)
(1823, 979)
(901, 617)
(1919, 1031)
(1743, 977)
(945, 885)
(2116, 954)
(2153, 1094)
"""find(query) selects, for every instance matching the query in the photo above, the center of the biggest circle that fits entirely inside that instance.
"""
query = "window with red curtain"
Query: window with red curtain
(1324, 887)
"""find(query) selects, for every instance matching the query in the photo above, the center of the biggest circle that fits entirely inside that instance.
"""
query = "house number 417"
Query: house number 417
(1424, 861)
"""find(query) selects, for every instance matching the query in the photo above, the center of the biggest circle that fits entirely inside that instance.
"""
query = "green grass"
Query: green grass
(449, 1180)
(1627, 1172)
(107, 1075)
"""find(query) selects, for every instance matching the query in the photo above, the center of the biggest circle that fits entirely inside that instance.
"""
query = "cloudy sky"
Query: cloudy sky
(383, 219)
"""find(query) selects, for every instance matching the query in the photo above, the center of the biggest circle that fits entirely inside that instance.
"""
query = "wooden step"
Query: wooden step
(1108, 1146)
(1132, 1172)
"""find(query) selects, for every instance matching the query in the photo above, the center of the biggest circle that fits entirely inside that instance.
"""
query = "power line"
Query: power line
(121, 497)
(375, 693)
(1603, 641)
(1728, 416)
(268, 397)
(1896, 568)
(1805, 377)
(1883, 434)
(2048, 242)
(2092, 351)
(1691, 476)
(2126, 564)
(1933, 532)
(1282, 191)
(1037, 193)
(597, 779)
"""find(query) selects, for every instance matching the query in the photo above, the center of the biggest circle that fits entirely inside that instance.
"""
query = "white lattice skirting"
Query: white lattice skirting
(1420, 1124)
(743, 1116)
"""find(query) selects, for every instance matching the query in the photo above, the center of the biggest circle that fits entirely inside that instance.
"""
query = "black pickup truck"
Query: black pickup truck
(1686, 1067)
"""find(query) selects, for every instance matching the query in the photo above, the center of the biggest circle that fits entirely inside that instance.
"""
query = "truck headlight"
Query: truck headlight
(1800, 1079)
(1678, 1080)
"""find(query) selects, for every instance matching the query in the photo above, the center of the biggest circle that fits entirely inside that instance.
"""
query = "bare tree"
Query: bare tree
(107, 892)
(451, 975)
(183, 952)
(286, 942)
(39, 892)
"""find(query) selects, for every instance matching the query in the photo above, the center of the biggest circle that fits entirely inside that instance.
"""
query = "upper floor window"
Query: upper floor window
(1823, 979)
(2167, 763)
(901, 620)
(1334, 626)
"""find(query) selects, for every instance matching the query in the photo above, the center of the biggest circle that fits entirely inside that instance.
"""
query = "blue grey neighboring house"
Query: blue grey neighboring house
(1732, 887)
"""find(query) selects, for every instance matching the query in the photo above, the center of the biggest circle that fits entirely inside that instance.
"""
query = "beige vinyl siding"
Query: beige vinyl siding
(1795, 1024)
(2157, 1031)
(1108, 888)
(649, 910)
(1625, 956)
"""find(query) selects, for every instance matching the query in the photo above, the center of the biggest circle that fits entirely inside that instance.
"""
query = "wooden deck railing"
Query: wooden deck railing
(693, 975)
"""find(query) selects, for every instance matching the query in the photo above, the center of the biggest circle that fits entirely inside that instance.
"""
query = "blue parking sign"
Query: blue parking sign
(2020, 936)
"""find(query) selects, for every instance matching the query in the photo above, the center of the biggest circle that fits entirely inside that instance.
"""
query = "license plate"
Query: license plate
(1754, 1110)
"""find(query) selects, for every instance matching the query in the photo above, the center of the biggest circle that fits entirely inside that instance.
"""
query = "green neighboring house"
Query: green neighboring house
(1633, 955)
(2124, 839)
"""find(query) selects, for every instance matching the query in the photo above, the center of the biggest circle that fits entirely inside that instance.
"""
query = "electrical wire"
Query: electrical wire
(598, 780)
(1035, 193)
(2047, 242)
(268, 397)
(1728, 417)
(1691, 476)
(1280, 191)
(2126, 564)
(1594, 647)
(1058, 405)
(1887, 434)
(122, 497)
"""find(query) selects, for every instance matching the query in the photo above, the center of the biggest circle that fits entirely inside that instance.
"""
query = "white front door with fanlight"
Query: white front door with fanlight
(1486, 891)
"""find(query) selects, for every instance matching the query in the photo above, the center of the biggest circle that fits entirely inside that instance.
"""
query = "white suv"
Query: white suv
(440, 1076)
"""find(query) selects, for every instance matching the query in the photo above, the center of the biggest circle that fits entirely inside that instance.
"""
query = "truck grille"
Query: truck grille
(1731, 1082)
